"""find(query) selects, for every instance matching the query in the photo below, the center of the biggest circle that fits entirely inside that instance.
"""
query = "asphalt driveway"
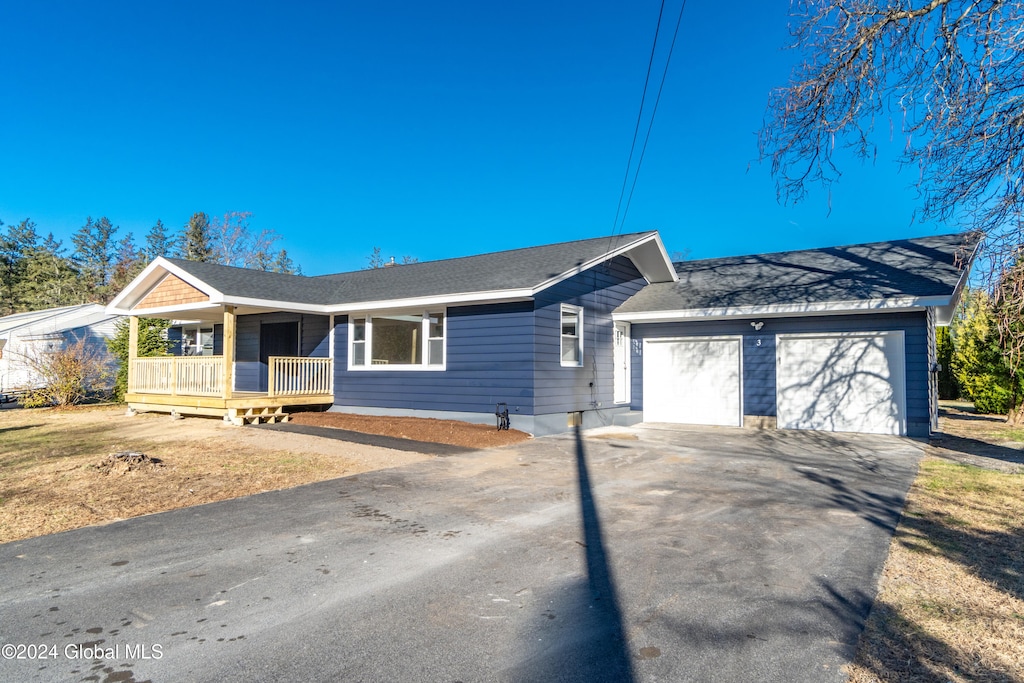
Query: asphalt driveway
(651, 555)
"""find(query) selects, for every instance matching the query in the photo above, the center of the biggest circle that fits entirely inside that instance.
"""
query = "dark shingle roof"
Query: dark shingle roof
(256, 284)
(927, 266)
(503, 270)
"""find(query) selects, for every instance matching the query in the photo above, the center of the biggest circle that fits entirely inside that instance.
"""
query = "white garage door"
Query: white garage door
(693, 381)
(842, 382)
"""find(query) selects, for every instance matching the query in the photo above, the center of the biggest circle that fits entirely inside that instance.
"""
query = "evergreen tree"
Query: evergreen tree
(152, 342)
(978, 361)
(50, 279)
(15, 244)
(158, 242)
(949, 388)
(94, 256)
(196, 244)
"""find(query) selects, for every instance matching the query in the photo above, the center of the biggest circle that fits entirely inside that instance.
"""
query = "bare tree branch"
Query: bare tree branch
(947, 76)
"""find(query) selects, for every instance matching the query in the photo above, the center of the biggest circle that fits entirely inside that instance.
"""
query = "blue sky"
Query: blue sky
(428, 129)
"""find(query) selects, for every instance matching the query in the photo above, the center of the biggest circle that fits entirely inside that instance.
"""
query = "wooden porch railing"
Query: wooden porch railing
(204, 376)
(290, 376)
(199, 375)
(151, 375)
(178, 375)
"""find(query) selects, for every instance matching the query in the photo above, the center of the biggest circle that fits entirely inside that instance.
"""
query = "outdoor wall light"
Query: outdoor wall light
(757, 326)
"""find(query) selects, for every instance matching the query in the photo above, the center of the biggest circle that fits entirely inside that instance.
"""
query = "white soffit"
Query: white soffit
(653, 262)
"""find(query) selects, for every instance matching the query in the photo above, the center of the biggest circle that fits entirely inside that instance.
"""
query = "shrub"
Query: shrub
(949, 387)
(68, 374)
(990, 395)
(978, 363)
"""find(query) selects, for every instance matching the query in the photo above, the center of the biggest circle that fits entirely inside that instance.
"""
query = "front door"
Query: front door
(620, 378)
(276, 339)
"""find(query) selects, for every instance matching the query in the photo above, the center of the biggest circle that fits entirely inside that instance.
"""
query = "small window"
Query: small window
(359, 341)
(435, 338)
(572, 337)
(197, 341)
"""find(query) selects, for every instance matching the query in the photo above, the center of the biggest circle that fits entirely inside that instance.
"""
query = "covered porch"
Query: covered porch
(201, 385)
(253, 363)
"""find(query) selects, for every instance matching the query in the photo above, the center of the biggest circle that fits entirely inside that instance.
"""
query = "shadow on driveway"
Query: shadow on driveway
(592, 645)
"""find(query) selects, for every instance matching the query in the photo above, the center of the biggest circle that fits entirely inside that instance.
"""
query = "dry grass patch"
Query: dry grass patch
(51, 478)
(951, 601)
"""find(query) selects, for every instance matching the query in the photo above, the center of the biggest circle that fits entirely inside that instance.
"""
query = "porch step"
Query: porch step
(244, 416)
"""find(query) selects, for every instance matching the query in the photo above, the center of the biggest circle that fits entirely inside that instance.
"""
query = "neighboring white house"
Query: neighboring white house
(27, 335)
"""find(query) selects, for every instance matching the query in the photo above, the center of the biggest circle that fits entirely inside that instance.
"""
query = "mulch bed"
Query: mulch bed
(450, 432)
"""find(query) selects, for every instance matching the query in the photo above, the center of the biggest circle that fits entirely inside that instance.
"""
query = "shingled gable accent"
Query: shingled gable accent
(171, 291)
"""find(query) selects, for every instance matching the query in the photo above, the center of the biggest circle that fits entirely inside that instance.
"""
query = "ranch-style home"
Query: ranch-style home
(591, 332)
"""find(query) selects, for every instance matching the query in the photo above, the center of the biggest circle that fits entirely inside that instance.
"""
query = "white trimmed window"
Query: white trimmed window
(397, 341)
(572, 336)
(197, 341)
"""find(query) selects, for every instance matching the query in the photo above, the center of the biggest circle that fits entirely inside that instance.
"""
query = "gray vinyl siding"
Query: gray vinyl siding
(759, 361)
(250, 373)
(489, 360)
(598, 291)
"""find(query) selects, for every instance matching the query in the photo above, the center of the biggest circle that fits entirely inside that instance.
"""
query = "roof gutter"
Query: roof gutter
(785, 310)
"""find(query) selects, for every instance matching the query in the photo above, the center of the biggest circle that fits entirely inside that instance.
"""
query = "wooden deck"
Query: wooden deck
(242, 407)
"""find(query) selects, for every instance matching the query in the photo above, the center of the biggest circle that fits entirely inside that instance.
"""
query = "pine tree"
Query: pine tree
(195, 241)
(15, 244)
(158, 242)
(94, 256)
(152, 342)
(50, 279)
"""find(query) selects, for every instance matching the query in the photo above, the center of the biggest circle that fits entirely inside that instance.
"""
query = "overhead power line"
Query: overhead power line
(618, 225)
(639, 116)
